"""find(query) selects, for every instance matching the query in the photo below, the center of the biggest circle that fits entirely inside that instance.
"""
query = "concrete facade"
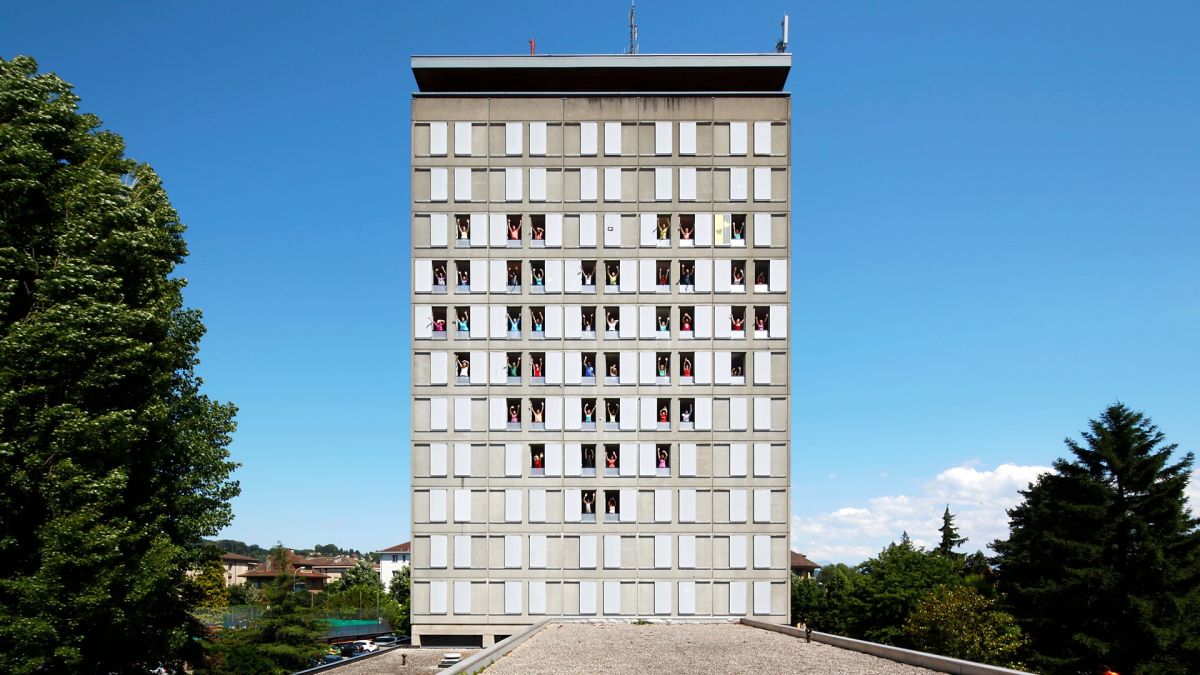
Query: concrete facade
(532, 194)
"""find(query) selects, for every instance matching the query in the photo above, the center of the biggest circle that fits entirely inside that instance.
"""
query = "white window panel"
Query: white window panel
(498, 276)
(737, 138)
(573, 326)
(762, 514)
(587, 231)
(462, 184)
(662, 138)
(479, 229)
(762, 183)
(629, 274)
(778, 276)
(587, 184)
(762, 459)
(738, 414)
(648, 282)
(778, 327)
(512, 458)
(462, 458)
(687, 506)
(498, 367)
(762, 597)
(662, 551)
(437, 597)
(537, 184)
(687, 184)
(573, 415)
(687, 551)
(512, 506)
(703, 414)
(572, 507)
(628, 366)
(513, 140)
(573, 466)
(647, 228)
(612, 232)
(762, 413)
(554, 230)
(554, 321)
(537, 597)
(439, 414)
(762, 229)
(722, 275)
(737, 184)
(587, 138)
(537, 139)
(646, 320)
(439, 229)
(573, 366)
(497, 414)
(737, 506)
(479, 276)
(498, 320)
(554, 276)
(479, 367)
(646, 450)
(462, 139)
(437, 506)
(438, 185)
(762, 138)
(439, 368)
(662, 597)
(537, 504)
(721, 365)
(587, 550)
(662, 505)
(628, 505)
(687, 597)
(722, 322)
(627, 454)
(612, 551)
(554, 367)
(554, 422)
(612, 184)
(573, 276)
(647, 367)
(662, 184)
(704, 229)
(628, 326)
(737, 551)
(498, 231)
(703, 373)
(737, 597)
(587, 597)
(423, 276)
(612, 138)
(762, 367)
(512, 550)
(514, 188)
(437, 138)
(554, 458)
(462, 551)
(687, 459)
(462, 506)
(703, 326)
(512, 597)
(737, 459)
(462, 597)
(612, 597)
(687, 138)
(537, 551)
(437, 459)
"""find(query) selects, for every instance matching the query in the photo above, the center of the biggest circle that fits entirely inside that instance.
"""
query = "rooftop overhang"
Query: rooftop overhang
(624, 73)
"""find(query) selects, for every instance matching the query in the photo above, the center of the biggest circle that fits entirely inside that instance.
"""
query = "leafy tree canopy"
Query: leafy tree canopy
(960, 623)
(893, 583)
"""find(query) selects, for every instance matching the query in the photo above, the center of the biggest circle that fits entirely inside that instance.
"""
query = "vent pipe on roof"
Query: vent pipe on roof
(532, 46)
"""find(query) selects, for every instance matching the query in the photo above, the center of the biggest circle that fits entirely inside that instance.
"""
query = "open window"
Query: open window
(440, 281)
(662, 229)
(587, 323)
(537, 459)
(687, 320)
(537, 320)
(662, 459)
(514, 276)
(762, 275)
(612, 460)
(588, 414)
(587, 457)
(587, 271)
(612, 506)
(664, 414)
(737, 276)
(687, 230)
(612, 414)
(662, 368)
(687, 414)
(687, 364)
(687, 276)
(737, 322)
(513, 231)
(512, 322)
(737, 230)
(612, 368)
(537, 367)
(512, 367)
(662, 276)
(462, 273)
(537, 274)
(762, 321)
(462, 321)
(587, 506)
(462, 368)
(462, 231)
(537, 414)
(587, 367)
(439, 323)
(737, 368)
(612, 322)
(612, 276)
(662, 323)
(537, 230)
(514, 414)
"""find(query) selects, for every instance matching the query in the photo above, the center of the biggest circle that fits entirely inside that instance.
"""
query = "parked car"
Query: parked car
(366, 646)
(389, 640)
(330, 658)
(348, 649)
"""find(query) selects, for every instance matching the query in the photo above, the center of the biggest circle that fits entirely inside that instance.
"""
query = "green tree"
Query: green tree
(891, 586)
(1102, 561)
(209, 586)
(828, 601)
(243, 594)
(113, 465)
(362, 577)
(960, 623)
(950, 539)
(400, 589)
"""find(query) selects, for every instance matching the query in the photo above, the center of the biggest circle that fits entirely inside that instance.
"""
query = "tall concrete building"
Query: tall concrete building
(600, 350)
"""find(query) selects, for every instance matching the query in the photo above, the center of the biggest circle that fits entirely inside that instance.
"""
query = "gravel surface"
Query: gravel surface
(686, 649)
(418, 662)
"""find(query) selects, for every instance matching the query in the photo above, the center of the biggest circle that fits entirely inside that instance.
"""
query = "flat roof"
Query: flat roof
(631, 73)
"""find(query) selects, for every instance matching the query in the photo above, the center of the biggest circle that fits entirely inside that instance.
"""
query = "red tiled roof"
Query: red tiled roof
(398, 548)
(270, 574)
(799, 560)
(234, 557)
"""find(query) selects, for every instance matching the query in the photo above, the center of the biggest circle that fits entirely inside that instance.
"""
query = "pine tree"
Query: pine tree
(950, 538)
(1102, 562)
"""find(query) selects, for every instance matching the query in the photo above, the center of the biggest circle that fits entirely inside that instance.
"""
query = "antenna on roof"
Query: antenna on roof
(633, 46)
(781, 46)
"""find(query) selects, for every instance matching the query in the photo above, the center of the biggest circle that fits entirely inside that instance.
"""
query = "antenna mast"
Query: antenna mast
(781, 46)
(633, 45)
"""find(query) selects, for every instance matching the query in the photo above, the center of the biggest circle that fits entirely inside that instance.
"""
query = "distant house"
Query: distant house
(236, 566)
(334, 567)
(307, 580)
(313, 573)
(393, 559)
(802, 566)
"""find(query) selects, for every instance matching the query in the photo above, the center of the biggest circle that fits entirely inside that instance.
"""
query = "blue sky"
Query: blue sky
(996, 231)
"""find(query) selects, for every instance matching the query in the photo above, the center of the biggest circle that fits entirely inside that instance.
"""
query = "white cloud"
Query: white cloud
(1192, 492)
(978, 499)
